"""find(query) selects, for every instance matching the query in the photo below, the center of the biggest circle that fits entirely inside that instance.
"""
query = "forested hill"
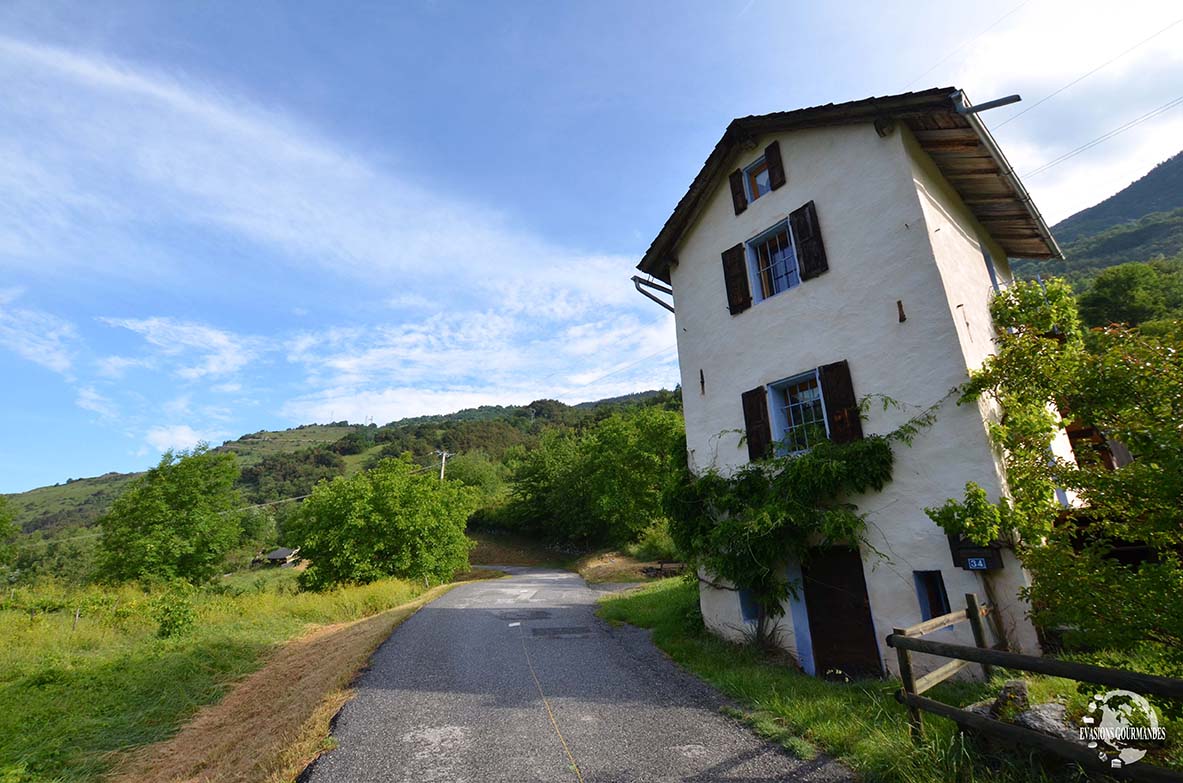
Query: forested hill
(287, 463)
(1142, 222)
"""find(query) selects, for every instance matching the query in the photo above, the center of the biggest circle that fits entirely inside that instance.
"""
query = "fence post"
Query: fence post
(974, 612)
(909, 682)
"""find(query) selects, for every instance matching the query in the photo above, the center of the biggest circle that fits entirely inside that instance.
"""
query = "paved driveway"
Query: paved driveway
(516, 680)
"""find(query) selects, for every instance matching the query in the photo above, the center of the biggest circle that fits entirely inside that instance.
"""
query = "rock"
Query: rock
(980, 708)
(1012, 699)
(1051, 719)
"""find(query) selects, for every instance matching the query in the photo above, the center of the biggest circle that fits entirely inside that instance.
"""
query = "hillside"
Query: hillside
(1141, 222)
(287, 463)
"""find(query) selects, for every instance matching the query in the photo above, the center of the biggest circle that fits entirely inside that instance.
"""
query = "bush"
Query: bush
(173, 611)
(394, 520)
(655, 543)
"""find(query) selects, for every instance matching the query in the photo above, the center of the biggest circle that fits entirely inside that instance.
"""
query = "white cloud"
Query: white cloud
(35, 335)
(89, 399)
(117, 366)
(1044, 46)
(198, 153)
(178, 436)
(218, 352)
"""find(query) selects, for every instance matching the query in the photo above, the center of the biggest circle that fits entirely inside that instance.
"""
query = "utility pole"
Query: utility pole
(443, 455)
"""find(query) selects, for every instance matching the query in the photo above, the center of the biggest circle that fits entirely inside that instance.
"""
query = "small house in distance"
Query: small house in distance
(826, 254)
(282, 556)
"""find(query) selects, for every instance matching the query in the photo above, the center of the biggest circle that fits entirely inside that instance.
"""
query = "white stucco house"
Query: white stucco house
(829, 253)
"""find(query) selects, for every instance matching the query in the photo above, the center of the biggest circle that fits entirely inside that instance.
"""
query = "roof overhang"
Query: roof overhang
(957, 141)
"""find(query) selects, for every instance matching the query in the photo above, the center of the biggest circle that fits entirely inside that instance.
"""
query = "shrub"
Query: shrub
(173, 611)
(393, 520)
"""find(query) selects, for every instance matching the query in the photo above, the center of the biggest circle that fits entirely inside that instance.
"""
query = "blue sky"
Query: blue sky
(217, 218)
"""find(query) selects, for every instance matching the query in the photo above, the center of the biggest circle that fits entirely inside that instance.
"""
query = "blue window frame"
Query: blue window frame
(930, 590)
(772, 260)
(798, 413)
(747, 606)
(756, 179)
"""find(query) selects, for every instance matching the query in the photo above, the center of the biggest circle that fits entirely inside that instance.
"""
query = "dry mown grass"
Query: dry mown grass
(613, 567)
(274, 722)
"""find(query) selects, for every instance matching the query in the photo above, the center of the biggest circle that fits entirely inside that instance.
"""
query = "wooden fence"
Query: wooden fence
(906, 641)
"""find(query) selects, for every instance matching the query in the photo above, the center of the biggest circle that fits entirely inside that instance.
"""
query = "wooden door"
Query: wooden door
(840, 614)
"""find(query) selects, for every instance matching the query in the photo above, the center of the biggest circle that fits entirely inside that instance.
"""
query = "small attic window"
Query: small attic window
(758, 180)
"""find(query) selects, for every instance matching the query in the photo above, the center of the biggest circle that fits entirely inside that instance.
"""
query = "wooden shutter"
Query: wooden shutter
(776, 167)
(755, 420)
(811, 254)
(735, 276)
(739, 196)
(842, 412)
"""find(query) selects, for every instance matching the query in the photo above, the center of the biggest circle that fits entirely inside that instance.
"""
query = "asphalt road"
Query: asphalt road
(516, 680)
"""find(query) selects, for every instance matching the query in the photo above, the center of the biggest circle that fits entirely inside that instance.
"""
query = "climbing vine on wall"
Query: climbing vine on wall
(742, 529)
(1126, 385)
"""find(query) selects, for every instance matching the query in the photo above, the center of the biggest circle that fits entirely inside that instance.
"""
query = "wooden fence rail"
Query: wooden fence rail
(906, 641)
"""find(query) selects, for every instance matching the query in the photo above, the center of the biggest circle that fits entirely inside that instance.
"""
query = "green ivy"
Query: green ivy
(1127, 384)
(744, 527)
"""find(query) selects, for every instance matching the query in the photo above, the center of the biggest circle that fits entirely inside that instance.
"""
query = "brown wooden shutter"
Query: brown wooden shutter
(755, 419)
(842, 412)
(739, 196)
(735, 276)
(776, 167)
(811, 253)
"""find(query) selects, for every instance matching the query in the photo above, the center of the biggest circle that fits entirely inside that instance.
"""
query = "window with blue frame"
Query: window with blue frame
(757, 179)
(772, 259)
(930, 590)
(748, 606)
(798, 413)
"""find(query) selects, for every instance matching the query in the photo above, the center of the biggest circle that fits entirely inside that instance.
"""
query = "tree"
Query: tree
(8, 534)
(603, 485)
(174, 522)
(393, 520)
(1134, 293)
(1127, 385)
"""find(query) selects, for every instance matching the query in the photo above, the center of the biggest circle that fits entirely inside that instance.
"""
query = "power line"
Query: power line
(1106, 136)
(625, 367)
(966, 43)
(1079, 79)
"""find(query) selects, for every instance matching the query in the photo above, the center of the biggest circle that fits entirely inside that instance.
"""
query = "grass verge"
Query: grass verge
(76, 691)
(857, 722)
(288, 705)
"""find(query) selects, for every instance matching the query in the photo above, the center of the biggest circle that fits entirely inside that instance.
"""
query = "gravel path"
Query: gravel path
(516, 680)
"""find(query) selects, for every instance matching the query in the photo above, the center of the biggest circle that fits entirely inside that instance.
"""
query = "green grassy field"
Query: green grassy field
(859, 722)
(73, 694)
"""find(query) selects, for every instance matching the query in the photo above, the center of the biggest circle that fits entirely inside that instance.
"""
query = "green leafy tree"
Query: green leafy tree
(475, 469)
(8, 534)
(1128, 385)
(1133, 294)
(603, 485)
(176, 521)
(393, 520)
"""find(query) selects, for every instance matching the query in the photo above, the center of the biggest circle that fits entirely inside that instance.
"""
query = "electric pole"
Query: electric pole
(443, 455)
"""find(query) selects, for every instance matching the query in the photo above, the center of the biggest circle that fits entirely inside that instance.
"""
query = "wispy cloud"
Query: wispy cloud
(217, 352)
(91, 400)
(35, 335)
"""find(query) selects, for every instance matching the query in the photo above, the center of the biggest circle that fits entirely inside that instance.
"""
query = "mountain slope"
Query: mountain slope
(1141, 222)
(285, 460)
(1160, 190)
